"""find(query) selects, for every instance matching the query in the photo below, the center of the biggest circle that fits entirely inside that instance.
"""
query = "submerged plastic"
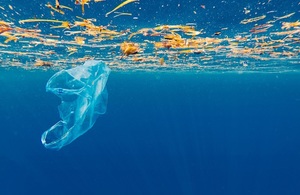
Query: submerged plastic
(83, 98)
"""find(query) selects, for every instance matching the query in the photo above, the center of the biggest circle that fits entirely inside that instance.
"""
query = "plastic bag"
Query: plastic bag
(83, 98)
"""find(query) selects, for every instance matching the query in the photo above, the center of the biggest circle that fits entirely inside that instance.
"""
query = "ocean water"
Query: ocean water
(163, 133)
(207, 105)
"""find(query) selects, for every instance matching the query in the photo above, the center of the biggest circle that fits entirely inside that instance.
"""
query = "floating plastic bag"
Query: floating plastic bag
(83, 98)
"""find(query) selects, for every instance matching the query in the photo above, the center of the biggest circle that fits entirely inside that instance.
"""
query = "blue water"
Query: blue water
(163, 133)
(204, 133)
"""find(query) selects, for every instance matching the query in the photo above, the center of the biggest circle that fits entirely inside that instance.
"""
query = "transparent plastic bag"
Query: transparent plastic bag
(83, 98)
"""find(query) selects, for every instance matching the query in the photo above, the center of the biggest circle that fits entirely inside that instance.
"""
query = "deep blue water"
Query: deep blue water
(163, 133)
